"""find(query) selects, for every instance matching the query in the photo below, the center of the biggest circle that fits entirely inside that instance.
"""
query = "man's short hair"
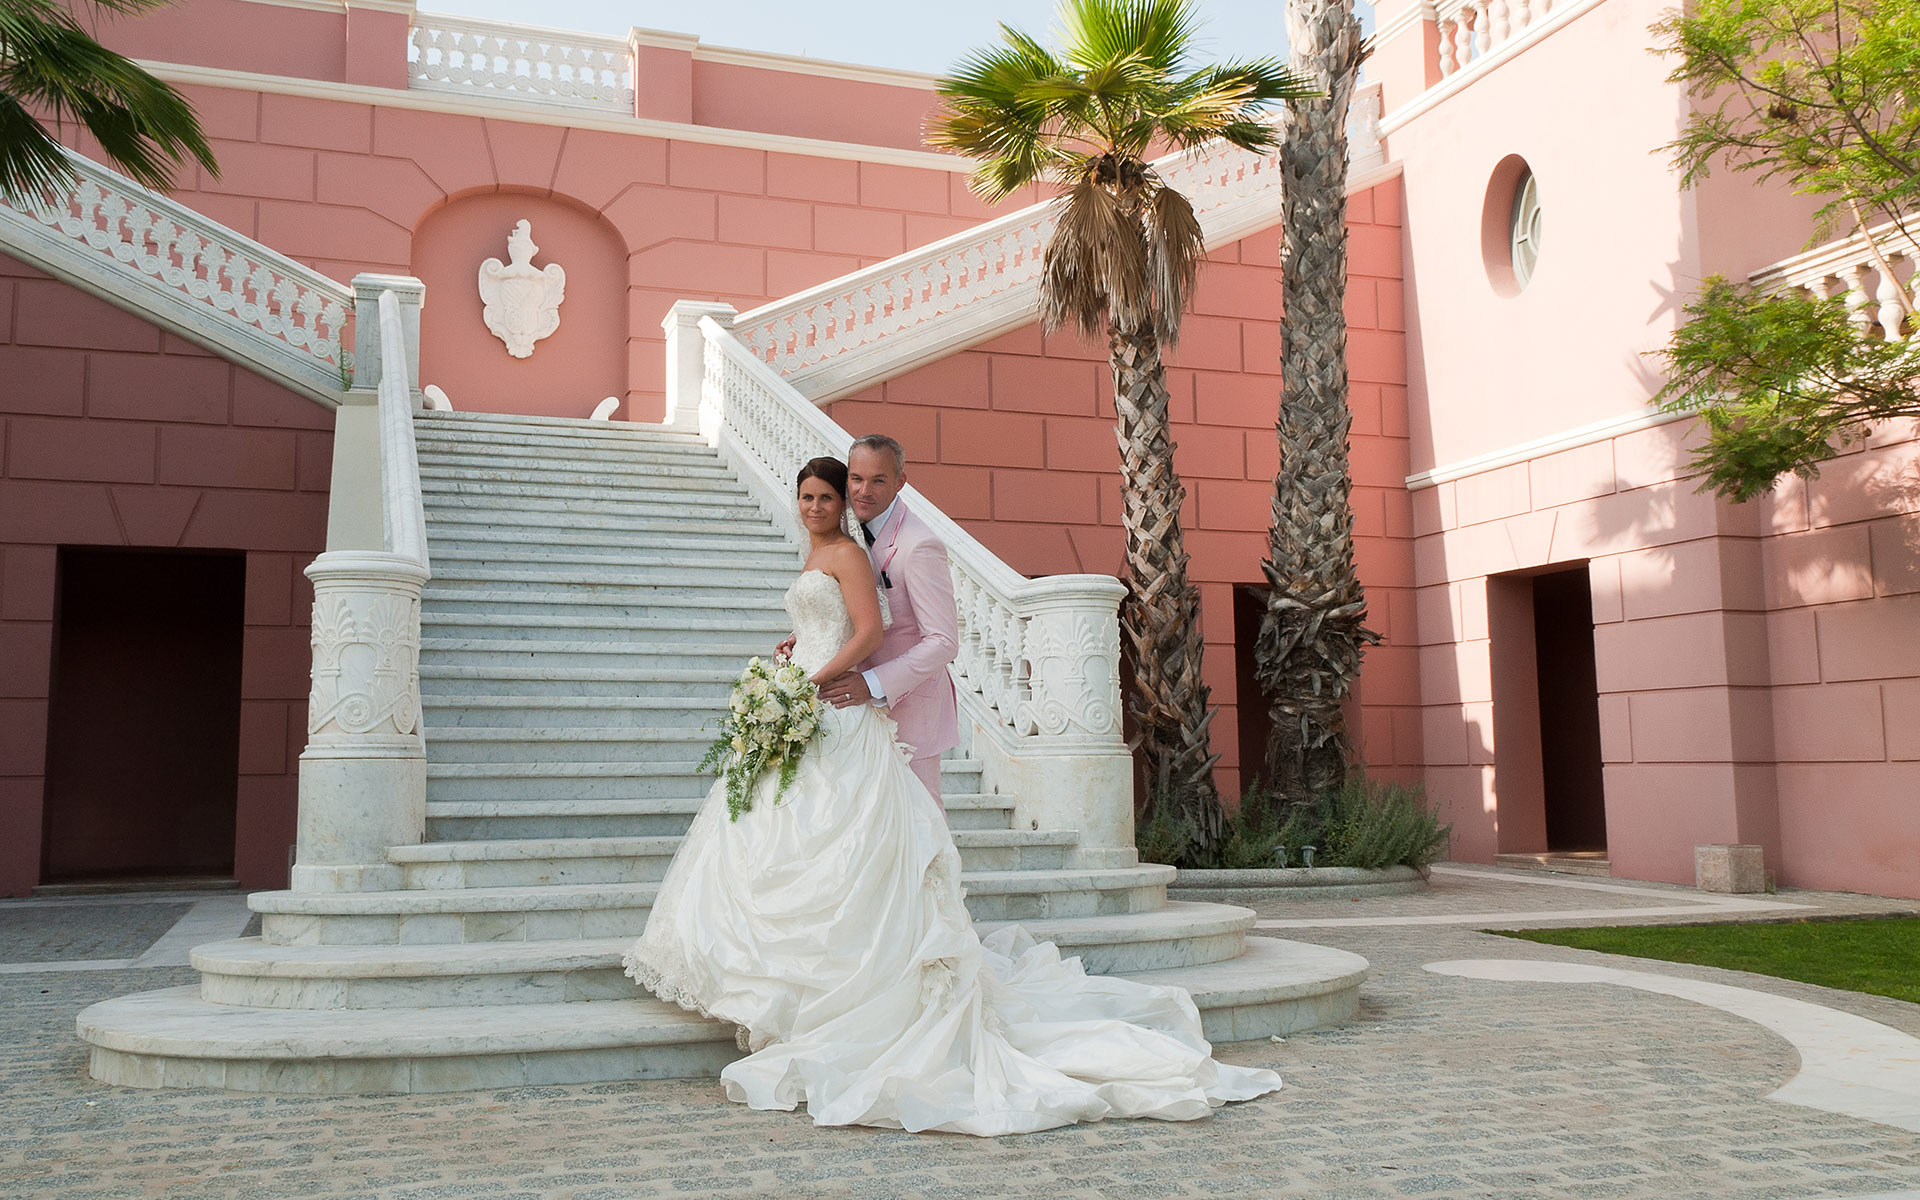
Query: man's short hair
(880, 441)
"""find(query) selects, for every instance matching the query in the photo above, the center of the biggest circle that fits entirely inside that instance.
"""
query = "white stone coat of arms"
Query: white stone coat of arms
(522, 300)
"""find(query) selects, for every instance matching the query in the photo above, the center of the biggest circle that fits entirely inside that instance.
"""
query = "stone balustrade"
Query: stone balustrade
(541, 66)
(1472, 29)
(832, 340)
(1039, 659)
(1852, 269)
(135, 248)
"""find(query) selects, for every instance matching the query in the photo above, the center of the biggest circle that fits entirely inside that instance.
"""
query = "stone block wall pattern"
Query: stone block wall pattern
(117, 434)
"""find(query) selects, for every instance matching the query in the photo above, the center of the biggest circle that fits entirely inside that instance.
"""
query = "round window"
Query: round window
(1510, 222)
(1523, 229)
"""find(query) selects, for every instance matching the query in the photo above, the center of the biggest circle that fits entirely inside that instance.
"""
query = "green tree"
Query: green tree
(1313, 631)
(1121, 265)
(50, 64)
(1826, 96)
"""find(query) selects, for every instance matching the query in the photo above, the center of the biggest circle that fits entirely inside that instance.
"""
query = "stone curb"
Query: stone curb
(1272, 883)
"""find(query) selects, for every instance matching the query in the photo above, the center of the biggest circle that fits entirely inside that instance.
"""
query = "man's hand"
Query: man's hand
(846, 691)
(784, 650)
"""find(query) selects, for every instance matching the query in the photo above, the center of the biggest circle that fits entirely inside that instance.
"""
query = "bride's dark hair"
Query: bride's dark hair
(828, 470)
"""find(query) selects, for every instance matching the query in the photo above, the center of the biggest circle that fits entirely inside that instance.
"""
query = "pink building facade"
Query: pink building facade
(1579, 651)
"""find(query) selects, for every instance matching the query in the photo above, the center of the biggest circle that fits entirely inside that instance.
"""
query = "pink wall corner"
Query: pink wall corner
(377, 47)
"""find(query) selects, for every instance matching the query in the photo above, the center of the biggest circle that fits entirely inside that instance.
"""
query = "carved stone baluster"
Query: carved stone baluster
(1855, 280)
(1890, 313)
(1462, 37)
(1497, 24)
(1522, 14)
(1482, 28)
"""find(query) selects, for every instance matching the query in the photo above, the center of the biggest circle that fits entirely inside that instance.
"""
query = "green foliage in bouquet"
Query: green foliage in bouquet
(772, 715)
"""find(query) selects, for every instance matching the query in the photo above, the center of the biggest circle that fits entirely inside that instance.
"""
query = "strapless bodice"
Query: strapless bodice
(821, 624)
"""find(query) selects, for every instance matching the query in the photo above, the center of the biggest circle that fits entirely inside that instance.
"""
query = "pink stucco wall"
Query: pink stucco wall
(1015, 439)
(117, 434)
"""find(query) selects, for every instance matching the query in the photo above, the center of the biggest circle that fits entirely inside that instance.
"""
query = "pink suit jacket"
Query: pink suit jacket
(911, 663)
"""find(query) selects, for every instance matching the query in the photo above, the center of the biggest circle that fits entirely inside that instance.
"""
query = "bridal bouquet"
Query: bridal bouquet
(775, 710)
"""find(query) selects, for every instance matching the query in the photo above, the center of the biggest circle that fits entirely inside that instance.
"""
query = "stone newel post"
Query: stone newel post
(686, 358)
(363, 776)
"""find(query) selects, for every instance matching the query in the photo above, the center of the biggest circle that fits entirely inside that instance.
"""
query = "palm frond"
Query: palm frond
(146, 127)
(1161, 32)
(31, 163)
(1175, 246)
(1095, 269)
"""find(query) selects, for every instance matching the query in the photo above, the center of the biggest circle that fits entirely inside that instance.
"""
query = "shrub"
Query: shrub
(1367, 824)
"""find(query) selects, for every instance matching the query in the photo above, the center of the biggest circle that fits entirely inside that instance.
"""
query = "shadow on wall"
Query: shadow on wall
(568, 372)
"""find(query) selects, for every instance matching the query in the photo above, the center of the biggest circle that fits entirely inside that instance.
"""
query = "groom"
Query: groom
(908, 674)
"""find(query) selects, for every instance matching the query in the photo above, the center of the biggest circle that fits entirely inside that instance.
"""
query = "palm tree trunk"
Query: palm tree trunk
(1313, 632)
(1160, 618)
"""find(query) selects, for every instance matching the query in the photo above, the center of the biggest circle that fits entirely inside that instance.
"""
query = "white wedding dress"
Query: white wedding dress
(830, 927)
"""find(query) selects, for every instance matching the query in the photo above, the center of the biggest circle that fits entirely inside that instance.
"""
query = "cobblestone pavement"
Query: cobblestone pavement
(61, 932)
(1444, 1087)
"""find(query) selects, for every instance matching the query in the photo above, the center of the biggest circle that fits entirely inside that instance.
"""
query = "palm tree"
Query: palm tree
(1313, 632)
(49, 62)
(1121, 264)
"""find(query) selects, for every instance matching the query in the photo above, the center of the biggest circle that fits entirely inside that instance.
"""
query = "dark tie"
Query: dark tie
(866, 533)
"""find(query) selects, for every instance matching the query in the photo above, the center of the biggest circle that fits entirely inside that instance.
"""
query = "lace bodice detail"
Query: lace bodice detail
(821, 624)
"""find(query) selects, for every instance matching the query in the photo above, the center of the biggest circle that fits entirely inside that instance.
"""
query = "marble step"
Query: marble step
(463, 454)
(687, 484)
(446, 712)
(756, 591)
(744, 565)
(559, 445)
(565, 779)
(567, 911)
(457, 516)
(653, 473)
(492, 820)
(253, 973)
(586, 513)
(581, 744)
(485, 537)
(425, 422)
(444, 682)
(569, 779)
(554, 654)
(539, 862)
(705, 494)
(594, 614)
(175, 1038)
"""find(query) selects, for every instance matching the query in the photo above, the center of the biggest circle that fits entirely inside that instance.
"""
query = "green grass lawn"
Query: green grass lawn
(1881, 957)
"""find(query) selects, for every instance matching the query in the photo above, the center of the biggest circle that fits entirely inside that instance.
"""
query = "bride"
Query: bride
(829, 926)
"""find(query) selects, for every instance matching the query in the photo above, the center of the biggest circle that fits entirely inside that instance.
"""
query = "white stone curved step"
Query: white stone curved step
(174, 1038)
(562, 911)
(548, 446)
(539, 862)
(443, 680)
(654, 474)
(462, 517)
(690, 589)
(254, 973)
(745, 566)
(527, 422)
(584, 744)
(621, 512)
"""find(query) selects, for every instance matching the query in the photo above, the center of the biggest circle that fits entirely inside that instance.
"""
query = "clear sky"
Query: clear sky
(916, 35)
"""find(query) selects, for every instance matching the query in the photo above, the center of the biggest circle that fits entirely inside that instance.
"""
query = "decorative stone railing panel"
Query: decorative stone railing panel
(1877, 296)
(850, 332)
(1040, 657)
(543, 66)
(143, 252)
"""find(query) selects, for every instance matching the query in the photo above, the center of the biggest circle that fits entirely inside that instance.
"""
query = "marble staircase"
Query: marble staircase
(595, 589)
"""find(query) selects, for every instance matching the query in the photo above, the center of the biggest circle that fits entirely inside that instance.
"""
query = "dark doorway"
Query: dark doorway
(143, 737)
(1576, 814)
(1255, 720)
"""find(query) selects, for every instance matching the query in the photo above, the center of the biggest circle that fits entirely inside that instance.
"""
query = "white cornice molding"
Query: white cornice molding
(1372, 178)
(794, 65)
(1554, 443)
(503, 109)
(1480, 68)
(1407, 18)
